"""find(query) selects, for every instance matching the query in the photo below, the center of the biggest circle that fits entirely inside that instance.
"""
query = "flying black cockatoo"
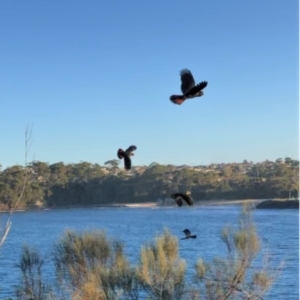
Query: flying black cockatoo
(188, 235)
(178, 197)
(188, 87)
(126, 155)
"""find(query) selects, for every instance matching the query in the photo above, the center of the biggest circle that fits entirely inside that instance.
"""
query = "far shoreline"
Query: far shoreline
(148, 205)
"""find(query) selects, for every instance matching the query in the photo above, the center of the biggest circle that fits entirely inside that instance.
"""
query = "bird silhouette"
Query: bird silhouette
(188, 235)
(188, 87)
(178, 197)
(126, 155)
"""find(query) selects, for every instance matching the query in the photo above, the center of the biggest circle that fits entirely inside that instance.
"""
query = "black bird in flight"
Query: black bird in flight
(188, 235)
(178, 197)
(188, 87)
(126, 155)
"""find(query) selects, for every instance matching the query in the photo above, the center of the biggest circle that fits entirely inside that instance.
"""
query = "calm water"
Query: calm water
(278, 230)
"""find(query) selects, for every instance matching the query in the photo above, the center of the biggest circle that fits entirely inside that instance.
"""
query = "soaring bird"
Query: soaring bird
(178, 197)
(188, 87)
(188, 235)
(126, 155)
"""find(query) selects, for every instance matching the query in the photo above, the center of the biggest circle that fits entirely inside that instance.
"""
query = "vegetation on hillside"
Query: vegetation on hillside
(89, 265)
(84, 183)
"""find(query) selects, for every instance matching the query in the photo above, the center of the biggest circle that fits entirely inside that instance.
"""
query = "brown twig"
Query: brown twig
(28, 143)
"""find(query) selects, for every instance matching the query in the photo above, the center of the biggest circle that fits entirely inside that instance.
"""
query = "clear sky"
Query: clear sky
(93, 76)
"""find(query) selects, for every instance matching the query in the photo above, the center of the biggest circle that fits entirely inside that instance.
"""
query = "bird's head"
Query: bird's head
(187, 192)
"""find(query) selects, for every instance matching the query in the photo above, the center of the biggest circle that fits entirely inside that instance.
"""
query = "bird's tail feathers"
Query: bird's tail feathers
(177, 99)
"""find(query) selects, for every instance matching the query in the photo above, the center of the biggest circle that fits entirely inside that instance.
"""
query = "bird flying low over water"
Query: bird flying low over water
(126, 155)
(188, 235)
(178, 197)
(188, 87)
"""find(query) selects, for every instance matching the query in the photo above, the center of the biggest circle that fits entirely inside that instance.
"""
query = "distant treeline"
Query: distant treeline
(84, 183)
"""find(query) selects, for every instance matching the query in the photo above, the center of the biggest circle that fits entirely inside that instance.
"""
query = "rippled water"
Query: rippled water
(278, 229)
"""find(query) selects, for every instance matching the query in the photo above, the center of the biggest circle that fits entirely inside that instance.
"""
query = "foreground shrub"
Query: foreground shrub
(32, 286)
(161, 272)
(93, 267)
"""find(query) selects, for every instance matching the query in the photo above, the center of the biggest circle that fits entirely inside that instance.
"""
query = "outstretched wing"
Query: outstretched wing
(177, 198)
(177, 99)
(120, 153)
(187, 199)
(187, 80)
(196, 89)
(187, 232)
(130, 149)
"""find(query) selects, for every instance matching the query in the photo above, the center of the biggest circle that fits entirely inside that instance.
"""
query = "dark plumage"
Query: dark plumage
(178, 197)
(188, 235)
(188, 87)
(126, 155)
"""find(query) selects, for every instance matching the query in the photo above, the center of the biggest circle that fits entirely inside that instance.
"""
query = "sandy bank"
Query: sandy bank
(196, 203)
(143, 205)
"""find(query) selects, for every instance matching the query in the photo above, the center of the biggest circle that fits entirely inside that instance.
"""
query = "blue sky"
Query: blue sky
(94, 76)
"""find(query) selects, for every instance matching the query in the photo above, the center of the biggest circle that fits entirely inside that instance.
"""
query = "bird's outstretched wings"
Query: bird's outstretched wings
(196, 89)
(183, 196)
(187, 80)
(187, 199)
(130, 150)
(177, 198)
(126, 155)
